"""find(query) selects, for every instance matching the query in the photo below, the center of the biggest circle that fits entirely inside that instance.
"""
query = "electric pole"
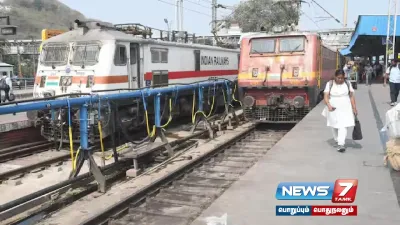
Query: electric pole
(177, 9)
(391, 32)
(181, 15)
(214, 16)
(34, 56)
(394, 30)
(19, 59)
(345, 13)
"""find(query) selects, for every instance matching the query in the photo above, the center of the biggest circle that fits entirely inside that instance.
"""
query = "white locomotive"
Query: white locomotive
(99, 58)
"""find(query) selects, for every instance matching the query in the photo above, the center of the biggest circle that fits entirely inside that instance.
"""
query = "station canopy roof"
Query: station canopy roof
(369, 37)
(2, 64)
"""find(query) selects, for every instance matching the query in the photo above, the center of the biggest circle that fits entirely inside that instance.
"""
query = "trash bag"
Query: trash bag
(357, 133)
(213, 220)
(392, 123)
(393, 154)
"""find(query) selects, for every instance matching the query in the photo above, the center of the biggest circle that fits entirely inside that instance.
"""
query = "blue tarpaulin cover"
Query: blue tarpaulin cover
(371, 25)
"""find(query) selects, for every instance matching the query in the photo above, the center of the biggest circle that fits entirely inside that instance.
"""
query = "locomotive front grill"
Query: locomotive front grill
(275, 114)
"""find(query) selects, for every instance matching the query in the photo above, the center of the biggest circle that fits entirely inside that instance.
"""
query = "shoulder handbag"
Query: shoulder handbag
(357, 133)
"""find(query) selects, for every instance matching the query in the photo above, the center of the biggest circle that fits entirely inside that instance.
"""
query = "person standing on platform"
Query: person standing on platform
(394, 81)
(377, 69)
(348, 69)
(368, 71)
(387, 72)
(6, 86)
(340, 108)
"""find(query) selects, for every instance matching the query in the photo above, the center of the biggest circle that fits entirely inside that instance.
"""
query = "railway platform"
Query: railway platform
(19, 120)
(12, 122)
(23, 93)
(306, 154)
(17, 129)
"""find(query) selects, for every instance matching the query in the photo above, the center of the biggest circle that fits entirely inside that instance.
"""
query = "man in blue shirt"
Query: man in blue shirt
(394, 81)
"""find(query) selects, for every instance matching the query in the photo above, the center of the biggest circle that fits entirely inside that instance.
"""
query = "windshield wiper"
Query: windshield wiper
(295, 49)
(255, 51)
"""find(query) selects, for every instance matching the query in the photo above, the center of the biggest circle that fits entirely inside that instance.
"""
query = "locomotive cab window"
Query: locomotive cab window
(262, 45)
(85, 53)
(159, 55)
(292, 44)
(54, 54)
(120, 56)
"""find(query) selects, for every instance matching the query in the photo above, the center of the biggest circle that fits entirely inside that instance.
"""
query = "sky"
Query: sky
(197, 13)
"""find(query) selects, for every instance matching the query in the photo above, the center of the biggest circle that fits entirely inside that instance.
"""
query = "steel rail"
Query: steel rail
(22, 170)
(9, 155)
(20, 202)
(122, 206)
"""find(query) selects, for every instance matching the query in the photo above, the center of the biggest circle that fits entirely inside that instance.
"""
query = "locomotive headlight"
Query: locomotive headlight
(298, 102)
(90, 81)
(69, 81)
(64, 81)
(43, 81)
(255, 72)
(296, 72)
(248, 101)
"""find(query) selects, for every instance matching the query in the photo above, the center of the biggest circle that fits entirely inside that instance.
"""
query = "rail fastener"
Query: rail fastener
(121, 207)
(31, 202)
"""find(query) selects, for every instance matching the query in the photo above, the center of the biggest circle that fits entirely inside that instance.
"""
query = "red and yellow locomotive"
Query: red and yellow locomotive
(282, 76)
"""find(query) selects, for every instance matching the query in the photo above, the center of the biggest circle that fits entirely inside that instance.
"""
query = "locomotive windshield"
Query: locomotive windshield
(291, 44)
(262, 45)
(54, 54)
(85, 53)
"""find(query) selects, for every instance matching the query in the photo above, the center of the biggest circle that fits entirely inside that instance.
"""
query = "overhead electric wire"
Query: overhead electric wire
(305, 14)
(327, 12)
(196, 3)
(169, 3)
(287, 13)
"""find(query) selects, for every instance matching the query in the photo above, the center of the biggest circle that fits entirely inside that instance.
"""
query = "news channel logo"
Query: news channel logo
(340, 191)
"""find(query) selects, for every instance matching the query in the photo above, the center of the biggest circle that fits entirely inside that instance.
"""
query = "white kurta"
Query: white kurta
(343, 116)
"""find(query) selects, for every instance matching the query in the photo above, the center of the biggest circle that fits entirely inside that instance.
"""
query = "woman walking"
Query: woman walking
(340, 107)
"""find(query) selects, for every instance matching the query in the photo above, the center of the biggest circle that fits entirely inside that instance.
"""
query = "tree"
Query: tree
(38, 4)
(256, 15)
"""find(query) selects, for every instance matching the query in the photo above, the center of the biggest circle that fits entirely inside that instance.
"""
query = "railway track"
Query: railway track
(24, 150)
(33, 148)
(20, 172)
(14, 137)
(57, 196)
(179, 197)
